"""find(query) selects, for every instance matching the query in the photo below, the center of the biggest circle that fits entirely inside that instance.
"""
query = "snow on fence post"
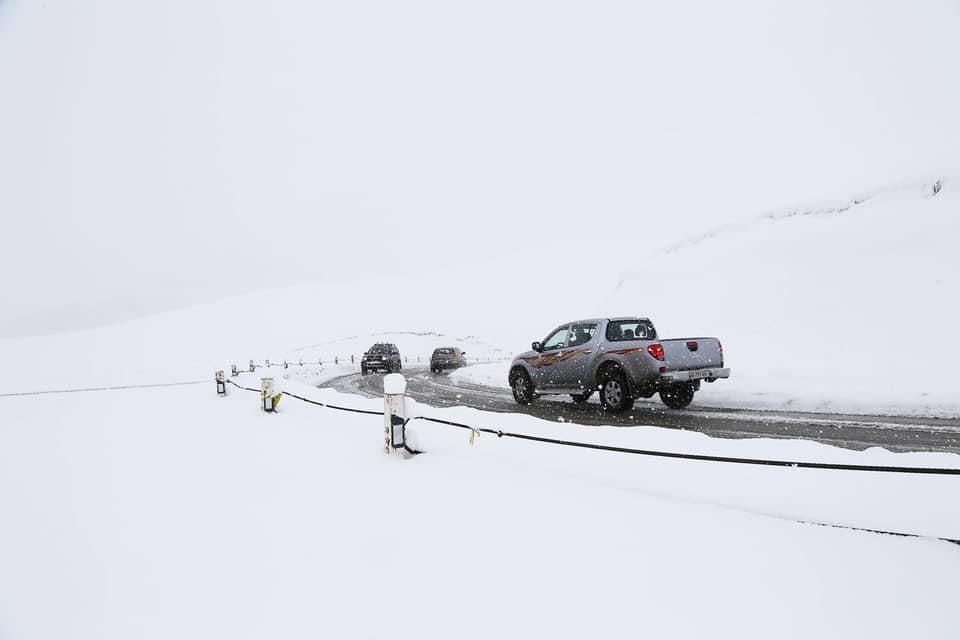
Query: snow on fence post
(394, 427)
(252, 367)
(268, 362)
(336, 360)
(285, 365)
(301, 362)
(268, 395)
(234, 372)
(221, 384)
(351, 358)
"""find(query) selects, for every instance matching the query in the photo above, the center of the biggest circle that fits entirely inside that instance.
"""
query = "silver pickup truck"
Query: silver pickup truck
(623, 358)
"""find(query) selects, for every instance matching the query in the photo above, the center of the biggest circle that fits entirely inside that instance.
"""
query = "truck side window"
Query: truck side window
(581, 334)
(557, 339)
(624, 330)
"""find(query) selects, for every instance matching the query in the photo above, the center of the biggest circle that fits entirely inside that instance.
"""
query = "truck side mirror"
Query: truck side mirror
(536, 346)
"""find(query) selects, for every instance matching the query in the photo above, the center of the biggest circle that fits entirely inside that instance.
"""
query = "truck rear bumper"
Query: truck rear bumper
(696, 374)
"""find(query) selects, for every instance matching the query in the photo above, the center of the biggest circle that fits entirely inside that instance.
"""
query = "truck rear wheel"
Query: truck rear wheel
(614, 391)
(679, 396)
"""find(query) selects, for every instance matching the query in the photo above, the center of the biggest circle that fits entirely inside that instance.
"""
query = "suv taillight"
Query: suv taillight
(656, 350)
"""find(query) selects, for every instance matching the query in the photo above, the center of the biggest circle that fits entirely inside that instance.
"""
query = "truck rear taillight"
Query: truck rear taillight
(692, 345)
(656, 350)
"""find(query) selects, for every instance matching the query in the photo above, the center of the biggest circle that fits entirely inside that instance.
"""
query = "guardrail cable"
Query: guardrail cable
(695, 456)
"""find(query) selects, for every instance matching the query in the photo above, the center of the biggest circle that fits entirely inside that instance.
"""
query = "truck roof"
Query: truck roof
(606, 319)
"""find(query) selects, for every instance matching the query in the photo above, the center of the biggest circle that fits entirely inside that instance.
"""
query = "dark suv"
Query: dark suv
(381, 356)
(447, 358)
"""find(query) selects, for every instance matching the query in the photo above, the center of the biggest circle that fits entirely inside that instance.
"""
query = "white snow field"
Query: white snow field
(158, 513)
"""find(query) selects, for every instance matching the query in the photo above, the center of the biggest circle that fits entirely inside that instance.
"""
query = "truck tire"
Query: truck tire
(679, 396)
(580, 398)
(615, 391)
(522, 386)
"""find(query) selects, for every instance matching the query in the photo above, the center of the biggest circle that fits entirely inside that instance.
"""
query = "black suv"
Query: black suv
(381, 356)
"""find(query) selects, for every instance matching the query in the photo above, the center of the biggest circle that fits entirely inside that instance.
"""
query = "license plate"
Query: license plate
(699, 375)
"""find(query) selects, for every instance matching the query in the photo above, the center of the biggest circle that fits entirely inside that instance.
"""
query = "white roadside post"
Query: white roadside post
(252, 367)
(234, 372)
(394, 415)
(268, 395)
(221, 384)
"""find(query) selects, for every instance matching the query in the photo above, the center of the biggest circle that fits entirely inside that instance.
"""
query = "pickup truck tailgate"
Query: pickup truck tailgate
(685, 354)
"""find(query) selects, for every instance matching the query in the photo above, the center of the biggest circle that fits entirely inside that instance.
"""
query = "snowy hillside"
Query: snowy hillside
(847, 306)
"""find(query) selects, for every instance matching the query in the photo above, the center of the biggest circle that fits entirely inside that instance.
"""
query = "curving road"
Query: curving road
(849, 431)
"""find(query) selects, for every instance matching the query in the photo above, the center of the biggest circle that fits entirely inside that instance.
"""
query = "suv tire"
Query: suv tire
(615, 391)
(679, 396)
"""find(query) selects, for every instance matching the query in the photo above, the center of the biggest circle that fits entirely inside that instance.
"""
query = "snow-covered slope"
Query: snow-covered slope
(845, 306)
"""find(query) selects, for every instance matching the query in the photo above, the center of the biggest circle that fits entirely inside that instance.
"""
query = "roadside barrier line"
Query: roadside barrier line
(699, 457)
(667, 454)
(899, 534)
(314, 402)
(829, 466)
(113, 388)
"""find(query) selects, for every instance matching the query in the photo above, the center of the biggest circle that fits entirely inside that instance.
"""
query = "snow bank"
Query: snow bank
(491, 374)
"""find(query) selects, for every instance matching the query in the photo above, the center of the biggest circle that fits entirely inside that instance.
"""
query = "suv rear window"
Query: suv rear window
(623, 330)
(442, 352)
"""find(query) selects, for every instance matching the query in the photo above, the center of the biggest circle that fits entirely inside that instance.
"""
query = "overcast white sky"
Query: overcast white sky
(144, 145)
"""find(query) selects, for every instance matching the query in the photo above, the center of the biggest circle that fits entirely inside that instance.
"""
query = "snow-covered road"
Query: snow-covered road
(903, 433)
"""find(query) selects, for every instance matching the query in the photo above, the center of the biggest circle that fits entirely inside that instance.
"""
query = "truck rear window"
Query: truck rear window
(623, 330)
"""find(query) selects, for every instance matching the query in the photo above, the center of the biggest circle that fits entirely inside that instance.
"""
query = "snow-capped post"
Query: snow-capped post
(221, 384)
(285, 365)
(234, 372)
(268, 395)
(336, 360)
(394, 422)
(252, 367)
(351, 358)
(301, 362)
(268, 362)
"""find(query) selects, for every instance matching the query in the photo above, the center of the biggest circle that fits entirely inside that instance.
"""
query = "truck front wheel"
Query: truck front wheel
(679, 396)
(614, 391)
(522, 386)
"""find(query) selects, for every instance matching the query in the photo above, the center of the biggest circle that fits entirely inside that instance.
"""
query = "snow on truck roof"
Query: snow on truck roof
(607, 319)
